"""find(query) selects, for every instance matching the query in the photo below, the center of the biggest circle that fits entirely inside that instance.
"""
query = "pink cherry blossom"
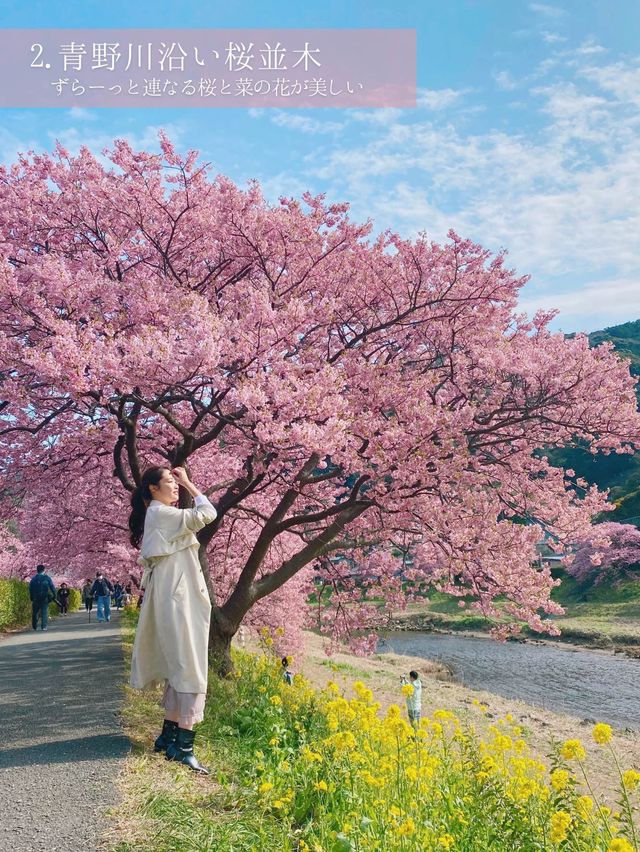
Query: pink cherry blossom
(366, 412)
(611, 552)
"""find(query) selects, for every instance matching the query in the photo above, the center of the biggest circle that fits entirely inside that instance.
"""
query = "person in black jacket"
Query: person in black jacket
(118, 593)
(101, 592)
(42, 592)
(63, 598)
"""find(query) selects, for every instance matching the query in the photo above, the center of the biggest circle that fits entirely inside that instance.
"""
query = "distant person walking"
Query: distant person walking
(63, 598)
(42, 592)
(101, 591)
(118, 594)
(173, 630)
(87, 596)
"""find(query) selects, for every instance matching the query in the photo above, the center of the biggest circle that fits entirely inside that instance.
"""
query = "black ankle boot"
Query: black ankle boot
(182, 751)
(167, 737)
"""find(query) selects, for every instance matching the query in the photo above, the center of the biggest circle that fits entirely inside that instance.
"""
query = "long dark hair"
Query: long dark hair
(140, 499)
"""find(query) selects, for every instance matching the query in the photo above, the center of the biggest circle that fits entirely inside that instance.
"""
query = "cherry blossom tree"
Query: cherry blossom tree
(611, 553)
(12, 554)
(365, 411)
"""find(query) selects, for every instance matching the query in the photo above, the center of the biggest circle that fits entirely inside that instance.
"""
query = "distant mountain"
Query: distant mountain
(626, 340)
(620, 474)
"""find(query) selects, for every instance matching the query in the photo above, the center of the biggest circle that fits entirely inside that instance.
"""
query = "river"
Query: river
(580, 682)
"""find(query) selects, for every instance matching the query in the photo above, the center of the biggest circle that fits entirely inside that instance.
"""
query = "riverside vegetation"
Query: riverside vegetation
(601, 615)
(295, 768)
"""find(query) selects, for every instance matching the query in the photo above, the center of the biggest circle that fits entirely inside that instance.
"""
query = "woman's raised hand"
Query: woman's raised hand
(180, 476)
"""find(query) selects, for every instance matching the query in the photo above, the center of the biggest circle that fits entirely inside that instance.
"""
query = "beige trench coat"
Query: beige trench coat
(173, 630)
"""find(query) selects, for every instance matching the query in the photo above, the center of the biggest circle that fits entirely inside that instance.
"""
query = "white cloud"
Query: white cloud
(505, 81)
(619, 79)
(594, 305)
(552, 38)
(11, 145)
(546, 10)
(304, 123)
(437, 99)
(564, 198)
(589, 48)
(282, 184)
(82, 114)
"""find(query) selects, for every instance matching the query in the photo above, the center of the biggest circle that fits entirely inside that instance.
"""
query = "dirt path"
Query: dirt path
(61, 745)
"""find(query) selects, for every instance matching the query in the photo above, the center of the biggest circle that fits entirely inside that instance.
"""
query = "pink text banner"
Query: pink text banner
(250, 68)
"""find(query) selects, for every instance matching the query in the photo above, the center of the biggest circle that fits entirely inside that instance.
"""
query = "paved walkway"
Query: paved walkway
(61, 745)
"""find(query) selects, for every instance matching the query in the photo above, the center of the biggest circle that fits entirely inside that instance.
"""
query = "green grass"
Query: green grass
(346, 668)
(171, 809)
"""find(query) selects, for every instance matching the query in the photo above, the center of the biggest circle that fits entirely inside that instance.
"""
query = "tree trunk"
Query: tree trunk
(224, 625)
(220, 650)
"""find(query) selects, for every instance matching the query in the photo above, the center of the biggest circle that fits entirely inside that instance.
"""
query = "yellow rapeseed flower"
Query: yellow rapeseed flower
(559, 779)
(602, 733)
(584, 806)
(619, 844)
(526, 788)
(412, 773)
(560, 822)
(406, 828)
(630, 779)
(573, 750)
(321, 785)
(446, 841)
(407, 690)
(266, 787)
(276, 700)
(444, 716)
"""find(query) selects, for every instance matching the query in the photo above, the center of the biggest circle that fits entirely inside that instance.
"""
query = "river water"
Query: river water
(583, 683)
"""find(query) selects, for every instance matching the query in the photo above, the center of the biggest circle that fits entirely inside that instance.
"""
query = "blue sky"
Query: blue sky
(525, 137)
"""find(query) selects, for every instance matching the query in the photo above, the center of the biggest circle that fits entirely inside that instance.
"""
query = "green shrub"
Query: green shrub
(15, 606)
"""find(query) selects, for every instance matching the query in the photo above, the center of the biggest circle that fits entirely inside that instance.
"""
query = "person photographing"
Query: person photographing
(171, 642)
(413, 697)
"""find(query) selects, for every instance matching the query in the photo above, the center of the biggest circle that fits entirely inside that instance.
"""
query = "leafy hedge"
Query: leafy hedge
(15, 606)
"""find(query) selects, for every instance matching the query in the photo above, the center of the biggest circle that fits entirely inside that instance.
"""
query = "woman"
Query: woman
(171, 643)
(63, 599)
